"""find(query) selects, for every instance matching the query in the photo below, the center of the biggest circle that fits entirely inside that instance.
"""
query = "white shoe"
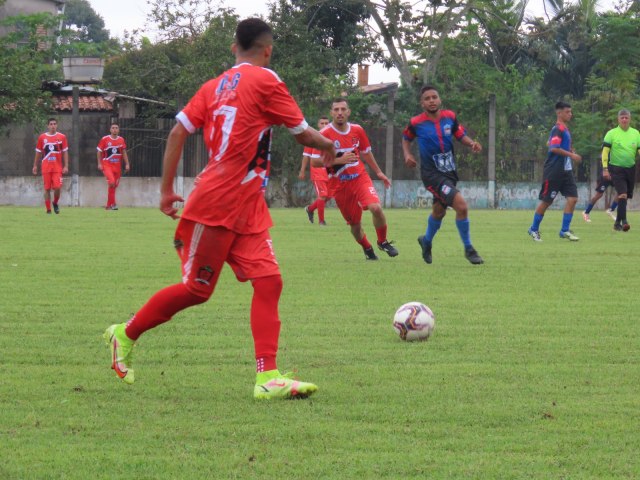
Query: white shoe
(611, 213)
(585, 215)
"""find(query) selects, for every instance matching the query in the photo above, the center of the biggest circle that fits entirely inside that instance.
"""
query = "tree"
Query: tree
(24, 55)
(83, 32)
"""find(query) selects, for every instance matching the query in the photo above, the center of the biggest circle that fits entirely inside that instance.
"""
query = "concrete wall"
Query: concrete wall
(144, 192)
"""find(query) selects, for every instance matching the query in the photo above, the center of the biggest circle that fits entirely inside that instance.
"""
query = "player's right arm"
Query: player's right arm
(99, 154)
(172, 154)
(409, 159)
(303, 166)
(36, 160)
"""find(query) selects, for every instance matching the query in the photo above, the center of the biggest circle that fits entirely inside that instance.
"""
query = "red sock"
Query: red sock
(313, 206)
(47, 203)
(265, 324)
(111, 196)
(320, 210)
(56, 197)
(382, 233)
(160, 308)
(364, 242)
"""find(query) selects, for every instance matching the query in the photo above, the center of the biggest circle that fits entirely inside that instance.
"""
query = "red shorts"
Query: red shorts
(52, 180)
(354, 196)
(204, 249)
(322, 188)
(112, 172)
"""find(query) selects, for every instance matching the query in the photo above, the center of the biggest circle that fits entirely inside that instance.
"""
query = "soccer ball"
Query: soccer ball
(414, 321)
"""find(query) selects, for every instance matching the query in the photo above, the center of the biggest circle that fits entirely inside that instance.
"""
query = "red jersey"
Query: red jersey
(52, 147)
(353, 140)
(112, 148)
(236, 112)
(317, 174)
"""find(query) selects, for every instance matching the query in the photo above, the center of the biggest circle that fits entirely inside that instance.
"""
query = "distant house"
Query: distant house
(11, 8)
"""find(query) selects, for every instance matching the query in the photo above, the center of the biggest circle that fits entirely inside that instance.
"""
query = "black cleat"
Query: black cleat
(56, 208)
(309, 214)
(473, 256)
(388, 248)
(426, 249)
(48, 212)
(370, 254)
(322, 223)
(617, 227)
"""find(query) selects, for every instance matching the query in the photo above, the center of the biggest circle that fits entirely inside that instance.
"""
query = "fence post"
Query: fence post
(491, 167)
(388, 167)
(75, 147)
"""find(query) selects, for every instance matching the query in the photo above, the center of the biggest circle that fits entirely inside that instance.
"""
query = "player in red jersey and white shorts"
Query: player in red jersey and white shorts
(112, 150)
(319, 178)
(52, 151)
(226, 219)
(349, 181)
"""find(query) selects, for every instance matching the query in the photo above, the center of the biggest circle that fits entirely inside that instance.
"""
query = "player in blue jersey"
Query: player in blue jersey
(435, 130)
(557, 176)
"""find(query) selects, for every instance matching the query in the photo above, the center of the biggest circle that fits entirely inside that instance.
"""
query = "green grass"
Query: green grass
(532, 373)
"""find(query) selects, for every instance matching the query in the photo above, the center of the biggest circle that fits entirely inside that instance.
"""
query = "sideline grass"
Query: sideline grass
(532, 372)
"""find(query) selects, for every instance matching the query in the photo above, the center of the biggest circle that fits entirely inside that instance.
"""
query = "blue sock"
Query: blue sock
(566, 221)
(589, 207)
(463, 230)
(537, 219)
(613, 206)
(433, 226)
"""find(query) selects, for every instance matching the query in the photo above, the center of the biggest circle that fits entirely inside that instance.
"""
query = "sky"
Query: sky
(121, 15)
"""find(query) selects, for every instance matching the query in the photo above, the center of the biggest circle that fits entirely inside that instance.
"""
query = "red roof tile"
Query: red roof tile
(87, 103)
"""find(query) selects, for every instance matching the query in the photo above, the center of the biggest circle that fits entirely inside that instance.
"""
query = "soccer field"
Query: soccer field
(533, 370)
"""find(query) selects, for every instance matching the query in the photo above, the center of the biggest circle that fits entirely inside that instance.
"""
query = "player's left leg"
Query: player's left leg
(567, 216)
(459, 204)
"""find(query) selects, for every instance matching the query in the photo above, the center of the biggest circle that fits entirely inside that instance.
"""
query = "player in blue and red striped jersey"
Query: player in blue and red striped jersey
(226, 218)
(112, 151)
(557, 175)
(435, 130)
(52, 152)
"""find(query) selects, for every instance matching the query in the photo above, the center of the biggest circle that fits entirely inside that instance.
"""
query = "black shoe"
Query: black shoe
(473, 256)
(617, 227)
(48, 212)
(387, 247)
(626, 227)
(309, 214)
(56, 208)
(426, 249)
(370, 254)
(323, 223)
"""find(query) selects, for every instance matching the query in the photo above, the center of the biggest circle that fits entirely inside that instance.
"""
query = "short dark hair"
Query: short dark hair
(323, 117)
(115, 123)
(339, 100)
(249, 32)
(562, 105)
(52, 120)
(427, 87)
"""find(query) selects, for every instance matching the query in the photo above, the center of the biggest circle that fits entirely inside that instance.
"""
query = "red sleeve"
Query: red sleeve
(65, 145)
(100, 146)
(193, 116)
(124, 144)
(365, 144)
(282, 109)
(39, 144)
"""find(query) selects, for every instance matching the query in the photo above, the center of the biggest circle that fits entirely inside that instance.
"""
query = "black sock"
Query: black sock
(622, 211)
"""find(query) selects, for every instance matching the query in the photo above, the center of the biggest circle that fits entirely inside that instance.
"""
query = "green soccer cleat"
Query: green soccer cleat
(273, 384)
(121, 352)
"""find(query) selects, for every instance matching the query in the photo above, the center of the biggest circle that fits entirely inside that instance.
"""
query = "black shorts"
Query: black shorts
(564, 183)
(623, 178)
(603, 185)
(442, 187)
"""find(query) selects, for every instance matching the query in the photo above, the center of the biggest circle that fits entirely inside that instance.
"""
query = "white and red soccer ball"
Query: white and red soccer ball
(414, 321)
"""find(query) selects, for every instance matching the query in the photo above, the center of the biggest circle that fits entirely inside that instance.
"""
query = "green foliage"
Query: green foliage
(83, 32)
(523, 378)
(24, 56)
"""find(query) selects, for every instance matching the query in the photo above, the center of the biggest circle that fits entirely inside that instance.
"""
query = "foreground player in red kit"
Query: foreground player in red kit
(226, 218)
(52, 148)
(112, 150)
(349, 181)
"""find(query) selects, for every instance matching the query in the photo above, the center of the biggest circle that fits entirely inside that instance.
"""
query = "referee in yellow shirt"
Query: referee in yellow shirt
(619, 151)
